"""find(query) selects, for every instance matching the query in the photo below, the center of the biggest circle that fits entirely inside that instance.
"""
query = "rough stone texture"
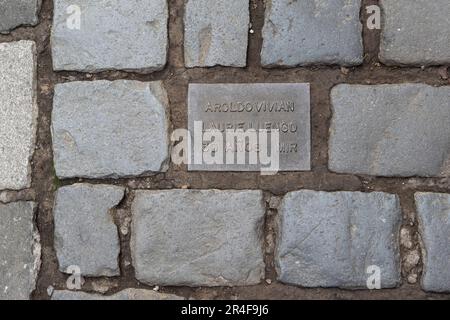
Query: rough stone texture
(15, 13)
(278, 104)
(390, 130)
(434, 215)
(330, 239)
(19, 251)
(127, 294)
(18, 113)
(198, 237)
(415, 32)
(312, 32)
(114, 34)
(109, 129)
(85, 233)
(216, 33)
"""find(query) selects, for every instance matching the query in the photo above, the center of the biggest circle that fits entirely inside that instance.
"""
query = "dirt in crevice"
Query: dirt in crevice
(176, 79)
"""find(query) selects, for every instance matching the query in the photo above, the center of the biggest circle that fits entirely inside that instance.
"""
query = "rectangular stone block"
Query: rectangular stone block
(93, 36)
(339, 239)
(415, 32)
(85, 233)
(198, 237)
(124, 295)
(306, 32)
(282, 106)
(109, 129)
(18, 113)
(16, 13)
(20, 251)
(390, 130)
(216, 33)
(433, 210)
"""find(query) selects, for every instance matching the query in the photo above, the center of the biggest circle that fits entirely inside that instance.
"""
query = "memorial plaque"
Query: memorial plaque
(251, 110)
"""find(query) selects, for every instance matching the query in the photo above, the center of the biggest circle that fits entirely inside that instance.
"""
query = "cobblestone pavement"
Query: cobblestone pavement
(91, 91)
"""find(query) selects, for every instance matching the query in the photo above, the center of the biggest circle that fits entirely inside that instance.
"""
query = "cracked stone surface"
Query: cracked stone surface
(112, 35)
(18, 113)
(85, 233)
(312, 32)
(19, 251)
(390, 130)
(415, 32)
(330, 239)
(127, 294)
(434, 216)
(110, 129)
(15, 13)
(216, 33)
(198, 237)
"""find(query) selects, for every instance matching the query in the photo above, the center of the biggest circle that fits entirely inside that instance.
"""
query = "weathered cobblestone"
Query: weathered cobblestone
(19, 251)
(15, 13)
(109, 129)
(415, 32)
(330, 239)
(113, 35)
(198, 237)
(216, 33)
(390, 130)
(434, 216)
(312, 32)
(18, 113)
(85, 234)
(127, 294)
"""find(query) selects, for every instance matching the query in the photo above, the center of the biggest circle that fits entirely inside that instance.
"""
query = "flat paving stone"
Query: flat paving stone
(85, 233)
(109, 129)
(15, 13)
(390, 130)
(18, 113)
(216, 33)
(312, 32)
(434, 216)
(127, 294)
(330, 239)
(415, 32)
(20, 251)
(253, 106)
(198, 237)
(113, 35)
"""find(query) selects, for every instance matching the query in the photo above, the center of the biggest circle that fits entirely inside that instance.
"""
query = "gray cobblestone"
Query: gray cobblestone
(198, 237)
(390, 130)
(113, 35)
(415, 32)
(109, 129)
(18, 113)
(216, 33)
(127, 294)
(330, 239)
(85, 234)
(312, 32)
(19, 251)
(434, 216)
(15, 13)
